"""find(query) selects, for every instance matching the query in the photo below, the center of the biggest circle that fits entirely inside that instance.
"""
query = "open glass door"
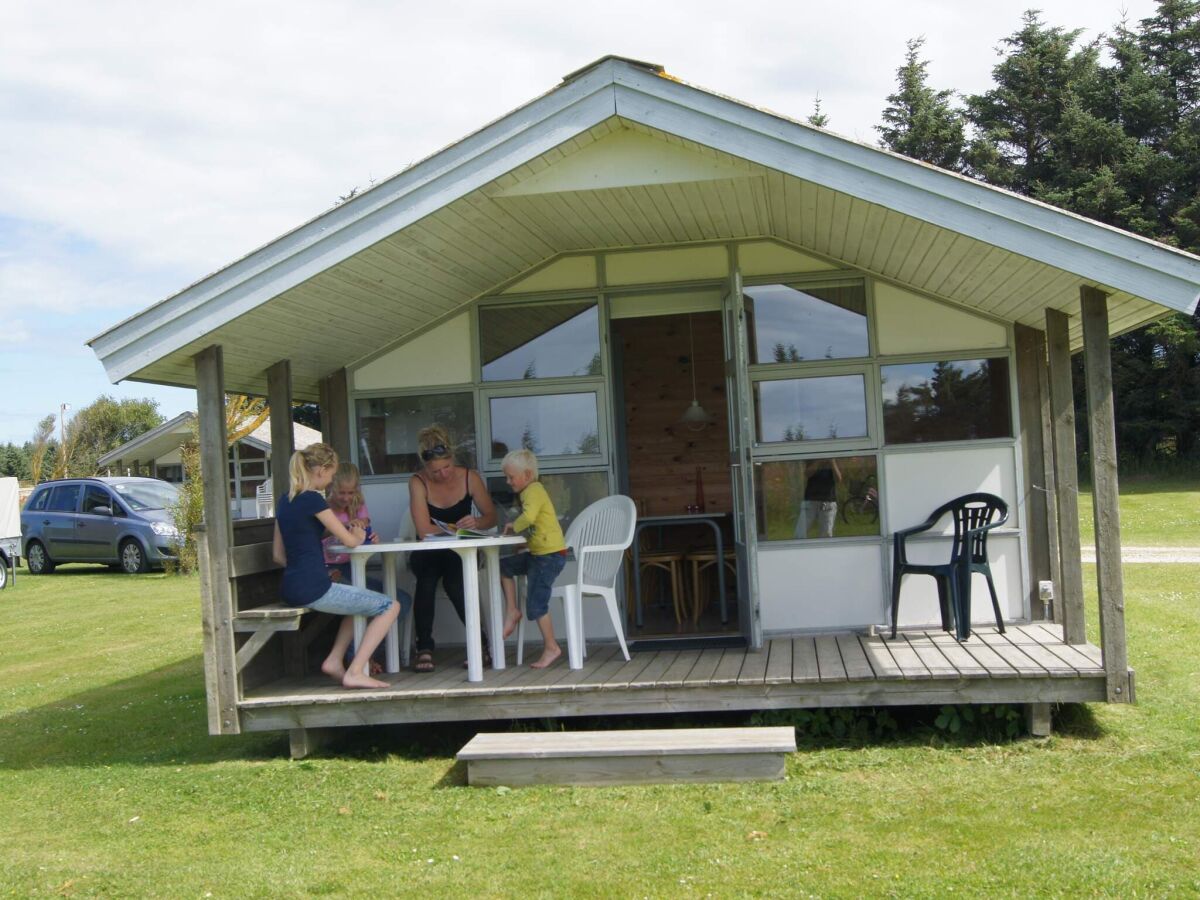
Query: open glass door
(741, 439)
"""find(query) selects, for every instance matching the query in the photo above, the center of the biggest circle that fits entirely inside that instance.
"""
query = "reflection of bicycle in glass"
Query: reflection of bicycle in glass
(862, 501)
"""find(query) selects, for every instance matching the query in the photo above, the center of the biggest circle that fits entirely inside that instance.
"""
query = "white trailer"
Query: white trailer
(10, 529)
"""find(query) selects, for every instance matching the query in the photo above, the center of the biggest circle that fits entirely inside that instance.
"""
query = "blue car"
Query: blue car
(124, 522)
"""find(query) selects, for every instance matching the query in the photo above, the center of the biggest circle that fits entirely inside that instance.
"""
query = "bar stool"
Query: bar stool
(667, 564)
(701, 560)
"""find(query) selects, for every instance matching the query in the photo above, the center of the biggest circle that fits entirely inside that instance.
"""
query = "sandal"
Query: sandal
(424, 662)
(487, 659)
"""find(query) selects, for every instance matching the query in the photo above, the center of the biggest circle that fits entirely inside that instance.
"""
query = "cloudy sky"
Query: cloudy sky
(144, 145)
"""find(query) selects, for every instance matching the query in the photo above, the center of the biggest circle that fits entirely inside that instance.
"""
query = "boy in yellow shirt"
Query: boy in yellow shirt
(546, 557)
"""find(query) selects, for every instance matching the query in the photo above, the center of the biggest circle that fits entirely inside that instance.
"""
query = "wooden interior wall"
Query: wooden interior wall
(656, 373)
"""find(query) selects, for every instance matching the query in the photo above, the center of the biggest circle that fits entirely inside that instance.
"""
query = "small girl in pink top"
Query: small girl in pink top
(346, 500)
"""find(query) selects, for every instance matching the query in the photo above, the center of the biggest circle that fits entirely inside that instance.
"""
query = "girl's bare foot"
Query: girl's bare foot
(547, 658)
(351, 680)
(334, 669)
(511, 621)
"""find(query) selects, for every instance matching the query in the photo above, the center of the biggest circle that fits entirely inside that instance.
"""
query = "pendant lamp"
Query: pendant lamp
(695, 417)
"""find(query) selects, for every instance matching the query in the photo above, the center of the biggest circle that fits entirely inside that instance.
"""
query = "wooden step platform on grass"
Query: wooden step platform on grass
(628, 757)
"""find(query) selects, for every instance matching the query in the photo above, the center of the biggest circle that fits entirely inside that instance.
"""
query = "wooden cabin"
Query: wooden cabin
(579, 274)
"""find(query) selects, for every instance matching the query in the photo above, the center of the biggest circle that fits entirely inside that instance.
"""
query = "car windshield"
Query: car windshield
(148, 494)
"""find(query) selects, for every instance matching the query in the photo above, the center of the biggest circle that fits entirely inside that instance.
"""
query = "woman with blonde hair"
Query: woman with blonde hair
(445, 491)
(301, 519)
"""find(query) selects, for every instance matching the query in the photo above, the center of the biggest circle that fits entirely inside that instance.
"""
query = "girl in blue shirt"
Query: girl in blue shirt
(301, 520)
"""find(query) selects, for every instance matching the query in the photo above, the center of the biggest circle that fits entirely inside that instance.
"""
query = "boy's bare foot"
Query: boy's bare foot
(547, 659)
(511, 621)
(334, 669)
(350, 680)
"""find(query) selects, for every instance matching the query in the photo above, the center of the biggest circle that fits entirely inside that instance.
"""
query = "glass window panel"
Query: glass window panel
(65, 498)
(39, 500)
(94, 497)
(547, 424)
(790, 324)
(807, 499)
(571, 493)
(388, 428)
(254, 468)
(546, 340)
(963, 400)
(811, 409)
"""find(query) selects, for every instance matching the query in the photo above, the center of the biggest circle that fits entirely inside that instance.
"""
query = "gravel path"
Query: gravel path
(1150, 554)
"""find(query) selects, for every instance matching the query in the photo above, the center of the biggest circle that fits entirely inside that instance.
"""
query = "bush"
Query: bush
(189, 512)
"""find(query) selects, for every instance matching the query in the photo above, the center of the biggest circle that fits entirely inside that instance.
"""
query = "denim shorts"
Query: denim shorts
(347, 600)
(541, 572)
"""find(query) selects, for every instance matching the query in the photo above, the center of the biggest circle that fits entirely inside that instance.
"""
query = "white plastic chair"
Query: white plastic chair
(599, 537)
(264, 500)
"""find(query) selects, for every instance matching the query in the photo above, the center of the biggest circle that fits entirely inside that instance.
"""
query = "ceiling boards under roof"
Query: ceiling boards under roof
(620, 156)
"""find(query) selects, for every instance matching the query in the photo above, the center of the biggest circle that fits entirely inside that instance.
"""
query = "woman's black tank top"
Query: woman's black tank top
(450, 514)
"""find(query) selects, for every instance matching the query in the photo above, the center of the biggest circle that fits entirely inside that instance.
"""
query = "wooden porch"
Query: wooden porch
(1030, 664)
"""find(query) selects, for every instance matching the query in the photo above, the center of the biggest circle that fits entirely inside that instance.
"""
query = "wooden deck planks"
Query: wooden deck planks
(1010, 653)
(629, 672)
(779, 666)
(829, 659)
(731, 664)
(754, 666)
(577, 677)
(991, 662)
(911, 667)
(804, 661)
(1039, 654)
(706, 666)
(1027, 654)
(854, 658)
(968, 666)
(655, 669)
(680, 668)
(1080, 662)
(931, 655)
(880, 657)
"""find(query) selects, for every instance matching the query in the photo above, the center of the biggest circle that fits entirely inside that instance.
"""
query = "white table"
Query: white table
(468, 550)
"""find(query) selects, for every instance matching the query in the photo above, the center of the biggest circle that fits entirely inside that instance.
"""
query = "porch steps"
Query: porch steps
(628, 757)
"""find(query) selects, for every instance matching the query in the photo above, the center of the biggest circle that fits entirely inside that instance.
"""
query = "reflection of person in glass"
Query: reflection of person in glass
(820, 498)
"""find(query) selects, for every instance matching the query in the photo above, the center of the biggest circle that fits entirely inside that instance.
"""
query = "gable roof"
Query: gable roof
(417, 247)
(172, 434)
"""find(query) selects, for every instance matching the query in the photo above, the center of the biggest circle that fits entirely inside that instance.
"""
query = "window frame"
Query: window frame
(557, 462)
(865, 366)
(503, 302)
(390, 393)
(1007, 353)
(882, 538)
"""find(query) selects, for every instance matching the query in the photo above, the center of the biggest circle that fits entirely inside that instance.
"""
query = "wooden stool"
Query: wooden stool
(701, 560)
(670, 563)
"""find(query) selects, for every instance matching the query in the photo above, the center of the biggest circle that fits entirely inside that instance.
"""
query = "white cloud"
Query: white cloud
(13, 331)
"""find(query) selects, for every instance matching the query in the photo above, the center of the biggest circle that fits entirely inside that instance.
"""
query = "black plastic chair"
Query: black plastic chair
(974, 515)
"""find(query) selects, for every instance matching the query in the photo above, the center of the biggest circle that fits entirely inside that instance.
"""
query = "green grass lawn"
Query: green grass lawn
(110, 786)
(1154, 513)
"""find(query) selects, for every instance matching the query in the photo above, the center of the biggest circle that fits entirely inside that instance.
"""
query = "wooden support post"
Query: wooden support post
(1041, 516)
(303, 741)
(1069, 609)
(220, 669)
(1037, 719)
(279, 398)
(1102, 429)
(335, 413)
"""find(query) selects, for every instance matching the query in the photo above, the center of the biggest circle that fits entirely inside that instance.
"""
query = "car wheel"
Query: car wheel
(3, 573)
(133, 558)
(38, 560)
